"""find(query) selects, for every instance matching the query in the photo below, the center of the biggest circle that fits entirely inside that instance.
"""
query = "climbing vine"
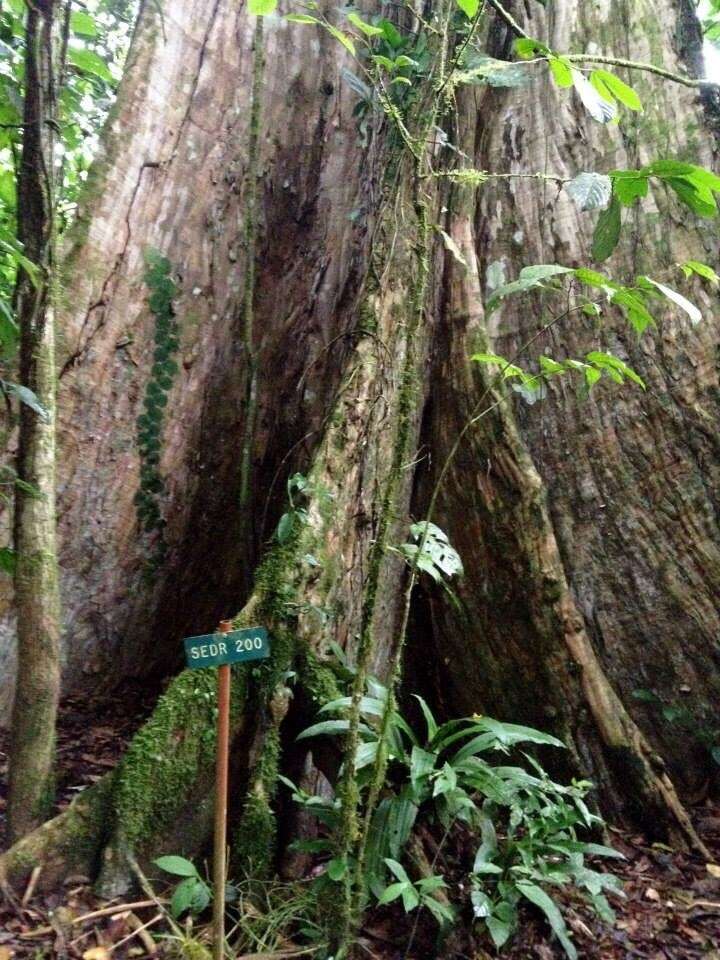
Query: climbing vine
(158, 277)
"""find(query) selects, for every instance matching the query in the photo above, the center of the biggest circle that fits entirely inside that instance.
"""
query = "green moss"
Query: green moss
(319, 681)
(254, 847)
(165, 757)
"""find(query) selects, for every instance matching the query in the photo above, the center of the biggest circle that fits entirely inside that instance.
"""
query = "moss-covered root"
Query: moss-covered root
(159, 796)
(71, 843)
(165, 778)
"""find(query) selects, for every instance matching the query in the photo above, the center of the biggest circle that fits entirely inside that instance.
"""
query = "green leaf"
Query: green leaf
(337, 868)
(372, 706)
(367, 28)
(620, 90)
(542, 271)
(178, 866)
(9, 331)
(384, 62)
(392, 892)
(590, 191)
(607, 231)
(634, 308)
(410, 898)
(82, 24)
(397, 869)
(500, 930)
(89, 62)
(561, 71)
(301, 18)
(700, 200)
(422, 765)
(429, 884)
(262, 8)
(432, 726)
(606, 361)
(691, 267)
(391, 33)
(669, 168)
(528, 49)
(468, 7)
(481, 903)
(182, 898)
(537, 895)
(341, 37)
(443, 912)
(329, 727)
(628, 185)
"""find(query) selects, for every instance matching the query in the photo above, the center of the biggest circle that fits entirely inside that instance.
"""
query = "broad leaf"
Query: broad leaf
(89, 62)
(527, 48)
(691, 267)
(343, 38)
(562, 71)
(607, 231)
(538, 896)
(367, 28)
(82, 24)
(616, 88)
(590, 191)
(178, 866)
(628, 185)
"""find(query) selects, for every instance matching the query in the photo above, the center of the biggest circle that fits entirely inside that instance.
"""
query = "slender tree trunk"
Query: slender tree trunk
(36, 577)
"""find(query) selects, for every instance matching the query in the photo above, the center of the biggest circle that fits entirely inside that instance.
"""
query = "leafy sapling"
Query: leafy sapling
(530, 827)
(192, 894)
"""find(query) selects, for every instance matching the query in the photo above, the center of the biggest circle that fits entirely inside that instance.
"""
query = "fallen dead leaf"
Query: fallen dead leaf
(6, 953)
(651, 894)
(713, 869)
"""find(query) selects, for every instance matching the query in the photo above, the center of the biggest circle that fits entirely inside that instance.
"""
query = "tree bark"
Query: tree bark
(37, 602)
(579, 586)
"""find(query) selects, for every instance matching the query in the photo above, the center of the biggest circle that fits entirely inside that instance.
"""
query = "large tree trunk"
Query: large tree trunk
(587, 530)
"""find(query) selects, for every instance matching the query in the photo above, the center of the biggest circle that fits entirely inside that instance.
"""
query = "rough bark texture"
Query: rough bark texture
(32, 746)
(586, 529)
(592, 524)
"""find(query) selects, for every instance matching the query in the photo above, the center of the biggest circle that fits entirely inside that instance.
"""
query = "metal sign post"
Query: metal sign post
(220, 650)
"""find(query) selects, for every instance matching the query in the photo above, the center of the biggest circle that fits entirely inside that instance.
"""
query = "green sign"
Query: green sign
(215, 649)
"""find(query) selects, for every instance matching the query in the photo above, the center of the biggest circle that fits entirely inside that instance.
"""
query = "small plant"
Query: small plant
(430, 551)
(530, 826)
(191, 895)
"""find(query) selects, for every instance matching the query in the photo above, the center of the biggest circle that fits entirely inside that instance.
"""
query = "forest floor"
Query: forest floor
(671, 910)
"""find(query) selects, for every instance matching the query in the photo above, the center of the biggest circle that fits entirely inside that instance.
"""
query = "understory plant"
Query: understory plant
(470, 776)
